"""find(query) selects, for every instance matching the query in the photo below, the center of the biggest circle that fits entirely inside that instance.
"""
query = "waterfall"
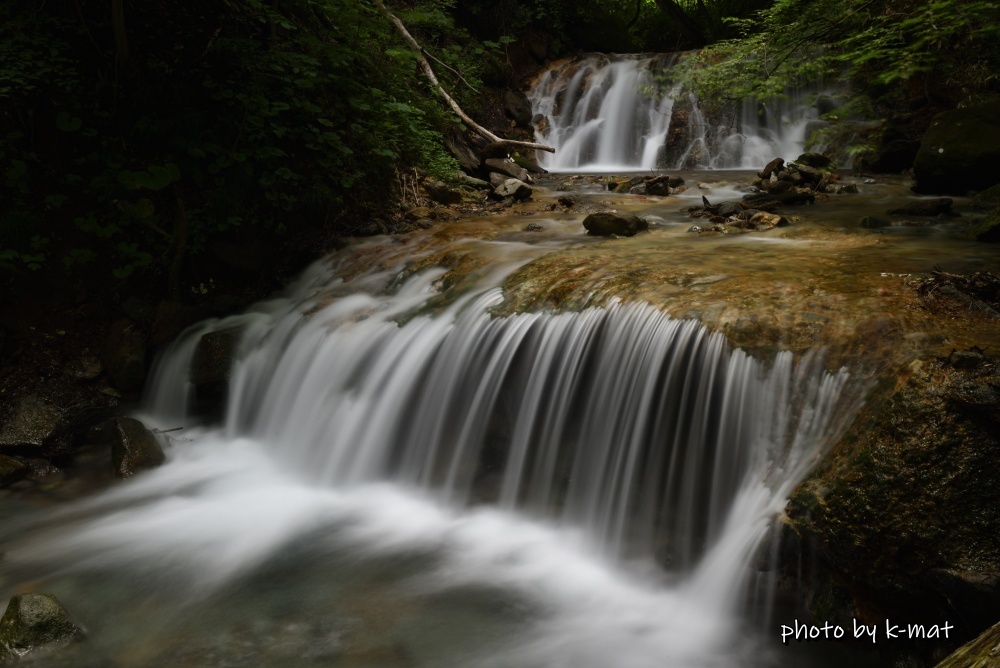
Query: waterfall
(620, 113)
(540, 453)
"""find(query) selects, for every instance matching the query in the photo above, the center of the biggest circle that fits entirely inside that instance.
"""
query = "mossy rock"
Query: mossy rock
(134, 448)
(988, 229)
(33, 621)
(983, 652)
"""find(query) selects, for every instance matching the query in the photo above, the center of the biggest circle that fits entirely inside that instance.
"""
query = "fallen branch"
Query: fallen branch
(429, 71)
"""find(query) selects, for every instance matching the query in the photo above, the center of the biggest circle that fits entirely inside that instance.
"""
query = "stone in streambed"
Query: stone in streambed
(134, 448)
(33, 423)
(606, 224)
(511, 169)
(33, 621)
(515, 188)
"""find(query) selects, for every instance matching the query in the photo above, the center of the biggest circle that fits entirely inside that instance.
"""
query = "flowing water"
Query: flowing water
(402, 478)
(607, 113)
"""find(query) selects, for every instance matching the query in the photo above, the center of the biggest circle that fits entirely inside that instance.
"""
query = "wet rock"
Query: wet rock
(696, 229)
(849, 189)
(472, 181)
(568, 201)
(517, 107)
(624, 187)
(727, 209)
(770, 168)
(924, 207)
(87, 367)
(872, 223)
(515, 188)
(981, 396)
(767, 221)
(606, 224)
(214, 357)
(418, 213)
(528, 163)
(533, 227)
(988, 229)
(955, 154)
(658, 187)
(134, 448)
(965, 359)
(124, 356)
(12, 469)
(511, 169)
(34, 422)
(762, 201)
(983, 652)
(808, 174)
(895, 157)
(33, 621)
(815, 160)
(441, 192)
(638, 190)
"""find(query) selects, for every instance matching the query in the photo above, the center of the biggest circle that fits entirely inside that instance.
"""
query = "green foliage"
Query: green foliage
(234, 114)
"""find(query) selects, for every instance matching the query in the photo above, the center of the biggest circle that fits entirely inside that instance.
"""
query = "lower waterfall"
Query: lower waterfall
(612, 470)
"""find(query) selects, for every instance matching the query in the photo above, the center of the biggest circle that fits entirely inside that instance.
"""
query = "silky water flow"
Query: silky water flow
(580, 489)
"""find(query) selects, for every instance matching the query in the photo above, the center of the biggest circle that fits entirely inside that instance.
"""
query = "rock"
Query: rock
(441, 192)
(134, 448)
(675, 181)
(472, 181)
(895, 157)
(12, 469)
(124, 356)
(767, 221)
(870, 181)
(33, 621)
(418, 213)
(528, 163)
(606, 224)
(497, 179)
(515, 188)
(965, 359)
(849, 189)
(987, 199)
(533, 227)
(762, 201)
(872, 223)
(568, 201)
(34, 422)
(808, 174)
(458, 146)
(983, 652)
(659, 186)
(960, 152)
(780, 187)
(924, 207)
(727, 209)
(517, 107)
(512, 170)
(625, 187)
(815, 160)
(696, 229)
(770, 168)
(981, 395)
(87, 367)
(214, 357)
(988, 230)
(639, 190)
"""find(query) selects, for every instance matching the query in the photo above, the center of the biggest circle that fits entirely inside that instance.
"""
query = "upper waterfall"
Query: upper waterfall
(611, 113)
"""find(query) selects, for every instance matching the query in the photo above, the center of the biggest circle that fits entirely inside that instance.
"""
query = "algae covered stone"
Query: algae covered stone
(32, 621)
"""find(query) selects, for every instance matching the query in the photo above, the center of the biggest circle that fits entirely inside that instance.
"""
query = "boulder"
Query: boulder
(638, 190)
(511, 169)
(659, 186)
(12, 469)
(515, 188)
(849, 189)
(497, 179)
(34, 422)
(988, 229)
(895, 157)
(924, 207)
(815, 160)
(124, 356)
(215, 354)
(33, 621)
(134, 448)
(606, 224)
(441, 192)
(528, 163)
(771, 168)
(985, 200)
(517, 107)
(960, 151)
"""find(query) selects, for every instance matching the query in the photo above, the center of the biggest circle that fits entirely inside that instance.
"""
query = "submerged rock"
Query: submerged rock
(33, 621)
(134, 448)
(606, 224)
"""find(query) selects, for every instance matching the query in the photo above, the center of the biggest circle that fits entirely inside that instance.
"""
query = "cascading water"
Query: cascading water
(608, 113)
(553, 457)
